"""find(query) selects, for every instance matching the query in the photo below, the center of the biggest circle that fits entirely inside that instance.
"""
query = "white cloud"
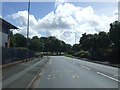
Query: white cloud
(57, 2)
(22, 17)
(65, 21)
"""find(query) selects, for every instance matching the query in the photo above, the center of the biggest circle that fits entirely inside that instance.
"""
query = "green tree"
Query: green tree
(103, 40)
(115, 38)
(20, 40)
(87, 41)
(36, 45)
(76, 47)
(44, 40)
(35, 38)
(12, 40)
(115, 33)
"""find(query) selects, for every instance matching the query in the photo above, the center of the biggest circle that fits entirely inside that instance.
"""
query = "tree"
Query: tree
(103, 40)
(55, 44)
(36, 45)
(35, 38)
(20, 40)
(115, 38)
(76, 47)
(115, 33)
(12, 40)
(44, 40)
(87, 41)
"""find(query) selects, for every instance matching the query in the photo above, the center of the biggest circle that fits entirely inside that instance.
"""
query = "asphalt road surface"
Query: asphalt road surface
(64, 72)
(21, 75)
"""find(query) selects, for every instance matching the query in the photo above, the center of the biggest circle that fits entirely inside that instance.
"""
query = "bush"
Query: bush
(115, 57)
(82, 54)
(38, 54)
(68, 55)
(71, 52)
(23, 48)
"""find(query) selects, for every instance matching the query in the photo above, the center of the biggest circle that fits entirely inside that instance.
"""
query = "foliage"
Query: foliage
(115, 33)
(23, 48)
(36, 45)
(83, 54)
(42, 44)
(102, 46)
(67, 55)
(20, 40)
(12, 41)
(76, 47)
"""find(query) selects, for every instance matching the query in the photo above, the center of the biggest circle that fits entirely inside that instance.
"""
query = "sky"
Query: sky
(61, 19)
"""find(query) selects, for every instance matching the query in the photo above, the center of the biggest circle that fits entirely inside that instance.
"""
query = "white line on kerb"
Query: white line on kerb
(108, 76)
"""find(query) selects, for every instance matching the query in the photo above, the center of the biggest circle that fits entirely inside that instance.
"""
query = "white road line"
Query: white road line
(82, 66)
(88, 68)
(85, 67)
(77, 75)
(108, 76)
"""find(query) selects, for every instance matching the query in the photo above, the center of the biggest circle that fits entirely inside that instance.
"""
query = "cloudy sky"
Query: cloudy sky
(61, 19)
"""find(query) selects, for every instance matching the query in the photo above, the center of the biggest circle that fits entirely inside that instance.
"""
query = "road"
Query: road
(20, 75)
(64, 72)
(60, 72)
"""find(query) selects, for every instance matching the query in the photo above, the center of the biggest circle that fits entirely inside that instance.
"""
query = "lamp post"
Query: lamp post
(28, 28)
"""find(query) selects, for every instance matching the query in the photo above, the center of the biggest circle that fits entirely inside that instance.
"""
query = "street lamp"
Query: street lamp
(28, 28)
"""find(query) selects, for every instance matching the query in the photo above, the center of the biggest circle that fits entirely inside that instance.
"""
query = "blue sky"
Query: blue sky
(40, 9)
(58, 20)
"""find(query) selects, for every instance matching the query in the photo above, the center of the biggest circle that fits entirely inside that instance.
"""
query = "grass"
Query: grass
(67, 55)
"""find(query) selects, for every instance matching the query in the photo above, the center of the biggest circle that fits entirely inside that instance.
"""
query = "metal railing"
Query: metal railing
(10, 55)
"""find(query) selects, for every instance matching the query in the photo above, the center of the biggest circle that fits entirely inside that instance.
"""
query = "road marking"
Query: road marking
(73, 76)
(77, 75)
(85, 67)
(73, 62)
(49, 75)
(88, 68)
(108, 76)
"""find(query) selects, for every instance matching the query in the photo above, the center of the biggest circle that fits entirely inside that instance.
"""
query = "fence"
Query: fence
(13, 54)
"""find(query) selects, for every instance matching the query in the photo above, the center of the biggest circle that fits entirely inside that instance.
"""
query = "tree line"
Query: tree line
(42, 44)
(104, 46)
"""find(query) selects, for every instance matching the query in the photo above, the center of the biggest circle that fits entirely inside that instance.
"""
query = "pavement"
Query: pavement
(65, 72)
(21, 75)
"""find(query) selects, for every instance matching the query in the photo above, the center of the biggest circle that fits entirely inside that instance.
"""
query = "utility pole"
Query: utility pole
(28, 28)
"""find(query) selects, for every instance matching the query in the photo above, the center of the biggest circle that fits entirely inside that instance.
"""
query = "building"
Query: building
(5, 31)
